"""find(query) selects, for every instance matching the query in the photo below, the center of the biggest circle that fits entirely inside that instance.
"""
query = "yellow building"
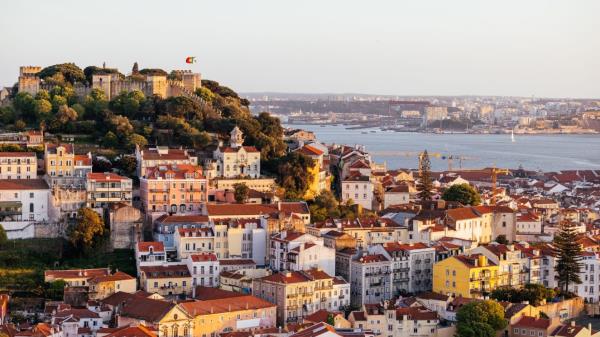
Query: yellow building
(103, 286)
(166, 280)
(240, 313)
(319, 179)
(471, 276)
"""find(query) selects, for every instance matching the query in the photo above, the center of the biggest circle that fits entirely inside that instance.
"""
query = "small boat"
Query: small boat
(512, 136)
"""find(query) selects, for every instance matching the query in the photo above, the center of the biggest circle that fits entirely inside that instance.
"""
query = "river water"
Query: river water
(533, 152)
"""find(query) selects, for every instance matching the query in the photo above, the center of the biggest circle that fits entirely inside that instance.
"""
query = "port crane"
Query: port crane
(451, 158)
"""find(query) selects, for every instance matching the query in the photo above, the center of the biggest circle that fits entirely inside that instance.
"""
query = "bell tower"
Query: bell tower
(237, 138)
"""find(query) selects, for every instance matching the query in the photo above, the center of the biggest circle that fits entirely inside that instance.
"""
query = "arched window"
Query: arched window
(165, 332)
(186, 331)
(175, 331)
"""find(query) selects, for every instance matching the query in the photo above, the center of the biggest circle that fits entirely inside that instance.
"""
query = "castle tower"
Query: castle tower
(157, 85)
(191, 81)
(102, 82)
(237, 138)
(29, 80)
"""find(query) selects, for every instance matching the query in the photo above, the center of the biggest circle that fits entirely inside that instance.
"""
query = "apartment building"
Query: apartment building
(301, 293)
(166, 280)
(105, 188)
(412, 265)
(166, 225)
(370, 279)
(358, 189)
(105, 285)
(162, 155)
(389, 321)
(243, 313)
(173, 188)
(150, 253)
(471, 223)
(18, 165)
(23, 202)
(473, 276)
(295, 251)
(194, 240)
(237, 160)
(64, 168)
(204, 268)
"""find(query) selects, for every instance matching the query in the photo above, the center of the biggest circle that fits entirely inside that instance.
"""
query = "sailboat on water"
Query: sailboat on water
(512, 135)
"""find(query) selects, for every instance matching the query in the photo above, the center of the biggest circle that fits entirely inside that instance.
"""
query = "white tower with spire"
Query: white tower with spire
(237, 138)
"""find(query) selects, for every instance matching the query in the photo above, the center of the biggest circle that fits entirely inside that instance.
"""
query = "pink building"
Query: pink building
(173, 189)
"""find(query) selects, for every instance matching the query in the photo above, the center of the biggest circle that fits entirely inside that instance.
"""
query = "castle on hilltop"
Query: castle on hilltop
(112, 83)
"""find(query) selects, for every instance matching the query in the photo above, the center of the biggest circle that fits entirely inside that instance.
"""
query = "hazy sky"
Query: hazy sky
(402, 47)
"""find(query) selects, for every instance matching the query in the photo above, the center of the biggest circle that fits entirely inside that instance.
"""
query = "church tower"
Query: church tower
(237, 138)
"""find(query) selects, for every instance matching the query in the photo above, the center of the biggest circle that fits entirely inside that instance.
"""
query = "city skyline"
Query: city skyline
(540, 48)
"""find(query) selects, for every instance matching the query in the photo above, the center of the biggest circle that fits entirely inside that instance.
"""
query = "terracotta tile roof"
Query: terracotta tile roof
(187, 219)
(527, 217)
(149, 310)
(82, 160)
(397, 246)
(165, 271)
(416, 314)
(462, 213)
(174, 171)
(17, 154)
(360, 164)
(316, 330)
(320, 316)
(371, 258)
(117, 276)
(195, 232)
(235, 262)
(105, 176)
(532, 322)
(75, 273)
(51, 148)
(209, 293)
(220, 305)
(470, 261)
(430, 295)
(310, 151)
(566, 330)
(232, 210)
(172, 154)
(203, 257)
(133, 331)
(157, 246)
(359, 315)
(296, 276)
(77, 313)
(229, 149)
(23, 184)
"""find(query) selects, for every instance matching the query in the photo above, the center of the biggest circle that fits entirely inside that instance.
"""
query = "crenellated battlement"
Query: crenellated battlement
(113, 85)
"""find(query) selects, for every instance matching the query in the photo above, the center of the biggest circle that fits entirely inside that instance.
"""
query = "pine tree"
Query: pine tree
(568, 253)
(425, 184)
(135, 69)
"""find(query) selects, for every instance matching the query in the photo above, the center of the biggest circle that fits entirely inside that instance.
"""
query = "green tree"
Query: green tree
(69, 71)
(532, 293)
(42, 94)
(480, 319)
(87, 230)
(25, 105)
(20, 125)
(7, 115)
(43, 109)
(463, 193)
(292, 174)
(55, 290)
(331, 319)
(205, 93)
(425, 184)
(568, 253)
(324, 206)
(127, 164)
(95, 104)
(110, 140)
(240, 192)
(66, 114)
(135, 139)
(3, 237)
(501, 239)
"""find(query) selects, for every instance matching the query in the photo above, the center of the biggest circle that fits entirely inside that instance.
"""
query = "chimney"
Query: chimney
(482, 260)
